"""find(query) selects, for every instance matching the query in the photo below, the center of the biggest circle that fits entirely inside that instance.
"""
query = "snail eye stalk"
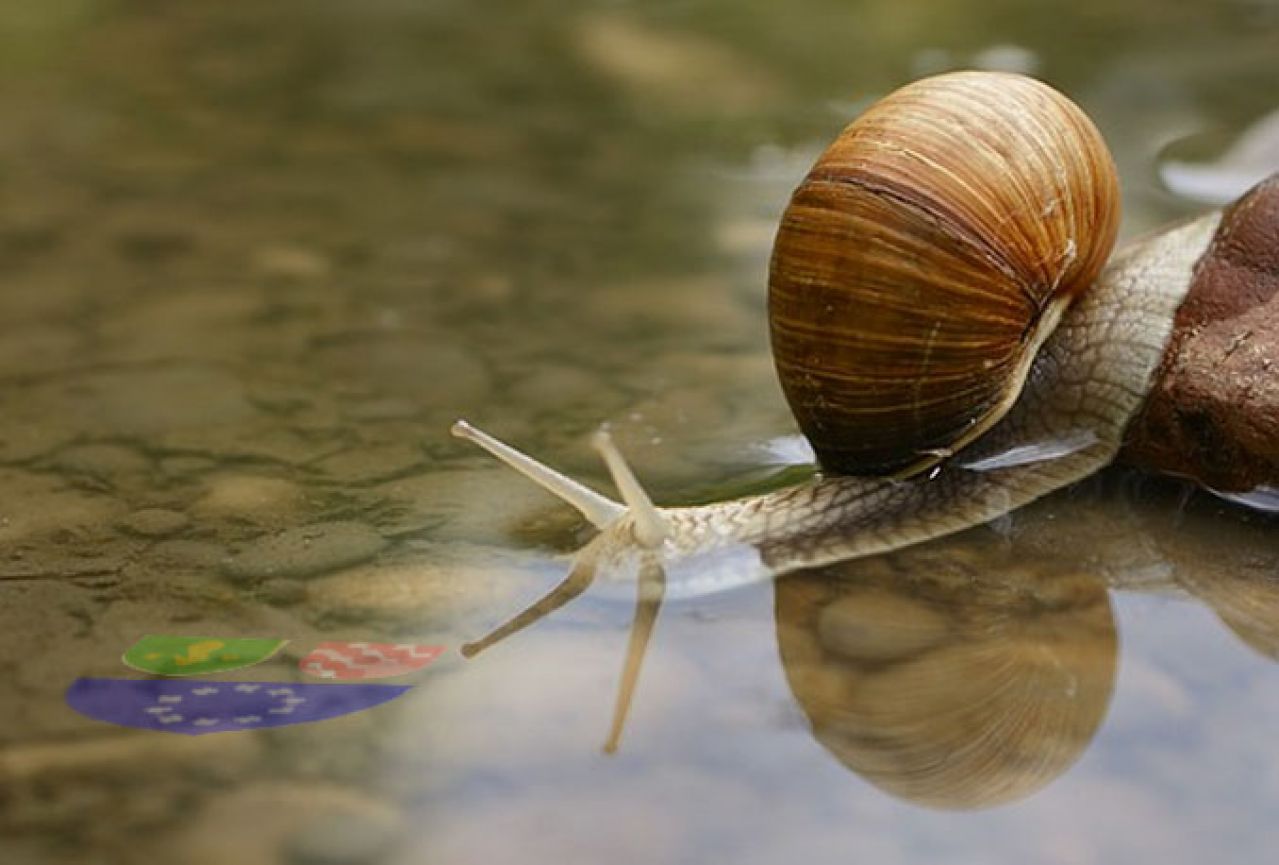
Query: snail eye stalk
(599, 510)
(650, 525)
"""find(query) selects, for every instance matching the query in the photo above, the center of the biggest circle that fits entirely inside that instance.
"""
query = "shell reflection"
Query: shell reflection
(944, 686)
(1238, 579)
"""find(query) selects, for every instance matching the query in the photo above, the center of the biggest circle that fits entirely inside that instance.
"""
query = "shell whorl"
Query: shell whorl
(924, 259)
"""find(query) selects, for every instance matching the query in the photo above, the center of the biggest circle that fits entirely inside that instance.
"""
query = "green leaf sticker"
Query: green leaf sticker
(195, 656)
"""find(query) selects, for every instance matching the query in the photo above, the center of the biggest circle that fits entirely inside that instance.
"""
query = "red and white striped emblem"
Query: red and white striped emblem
(342, 660)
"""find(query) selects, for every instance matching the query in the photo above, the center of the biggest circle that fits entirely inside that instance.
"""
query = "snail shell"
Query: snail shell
(924, 260)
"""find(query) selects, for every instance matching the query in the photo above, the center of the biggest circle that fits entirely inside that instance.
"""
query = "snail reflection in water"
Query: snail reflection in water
(946, 336)
(974, 672)
(948, 684)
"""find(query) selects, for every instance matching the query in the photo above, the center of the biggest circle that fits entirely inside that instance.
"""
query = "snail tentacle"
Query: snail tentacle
(600, 511)
(650, 527)
(646, 522)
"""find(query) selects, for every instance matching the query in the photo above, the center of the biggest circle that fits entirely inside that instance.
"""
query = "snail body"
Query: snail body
(975, 238)
(1086, 382)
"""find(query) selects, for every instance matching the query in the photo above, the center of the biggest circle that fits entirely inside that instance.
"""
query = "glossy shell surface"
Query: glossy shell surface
(926, 256)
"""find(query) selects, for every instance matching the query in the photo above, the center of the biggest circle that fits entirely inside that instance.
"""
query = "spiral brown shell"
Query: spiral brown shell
(926, 256)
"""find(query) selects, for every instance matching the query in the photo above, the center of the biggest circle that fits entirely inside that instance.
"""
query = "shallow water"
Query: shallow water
(255, 258)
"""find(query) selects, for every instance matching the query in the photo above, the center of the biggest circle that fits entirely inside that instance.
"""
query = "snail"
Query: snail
(952, 333)
(1080, 387)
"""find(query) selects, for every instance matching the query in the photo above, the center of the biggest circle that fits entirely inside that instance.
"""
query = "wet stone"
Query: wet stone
(304, 551)
(154, 522)
(1212, 413)
(249, 498)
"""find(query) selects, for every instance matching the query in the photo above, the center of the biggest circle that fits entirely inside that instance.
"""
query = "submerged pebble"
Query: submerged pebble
(462, 505)
(37, 507)
(440, 583)
(249, 498)
(305, 550)
(154, 522)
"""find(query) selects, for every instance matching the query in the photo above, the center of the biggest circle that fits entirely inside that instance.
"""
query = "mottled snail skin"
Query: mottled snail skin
(1084, 386)
(925, 257)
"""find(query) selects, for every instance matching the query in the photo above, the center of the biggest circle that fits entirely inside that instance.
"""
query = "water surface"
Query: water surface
(255, 258)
